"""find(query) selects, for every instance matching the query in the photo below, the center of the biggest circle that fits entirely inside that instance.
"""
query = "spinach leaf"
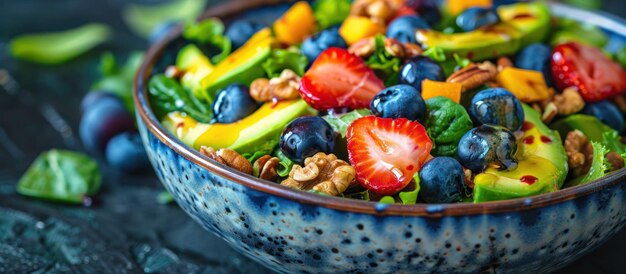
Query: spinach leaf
(210, 32)
(63, 176)
(282, 59)
(446, 123)
(331, 12)
(119, 80)
(59, 47)
(142, 19)
(340, 123)
(167, 96)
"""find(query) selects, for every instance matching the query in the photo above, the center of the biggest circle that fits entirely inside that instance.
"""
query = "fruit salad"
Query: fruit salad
(400, 101)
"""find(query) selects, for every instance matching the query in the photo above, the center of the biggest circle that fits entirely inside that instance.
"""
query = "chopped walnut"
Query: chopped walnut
(474, 75)
(579, 152)
(364, 48)
(323, 173)
(266, 168)
(260, 90)
(379, 11)
(228, 157)
(283, 87)
(549, 112)
(569, 102)
(616, 160)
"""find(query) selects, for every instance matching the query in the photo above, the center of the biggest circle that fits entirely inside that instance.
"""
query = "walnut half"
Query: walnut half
(323, 173)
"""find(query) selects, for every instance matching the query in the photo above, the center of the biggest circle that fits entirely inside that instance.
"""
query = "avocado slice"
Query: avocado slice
(522, 24)
(242, 66)
(542, 165)
(259, 131)
(196, 66)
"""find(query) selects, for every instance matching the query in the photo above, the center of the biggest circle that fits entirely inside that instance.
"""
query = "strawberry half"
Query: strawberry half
(596, 76)
(339, 79)
(386, 153)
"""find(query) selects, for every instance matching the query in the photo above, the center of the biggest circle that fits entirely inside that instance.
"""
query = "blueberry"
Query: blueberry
(93, 97)
(240, 31)
(497, 106)
(607, 113)
(160, 31)
(125, 152)
(536, 57)
(427, 9)
(488, 146)
(403, 28)
(400, 101)
(314, 45)
(418, 69)
(441, 180)
(104, 119)
(306, 136)
(233, 103)
(474, 18)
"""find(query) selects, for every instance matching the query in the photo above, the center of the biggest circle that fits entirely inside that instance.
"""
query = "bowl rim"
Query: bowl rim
(232, 8)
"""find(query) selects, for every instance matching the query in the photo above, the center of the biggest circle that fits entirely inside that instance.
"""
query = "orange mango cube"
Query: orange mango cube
(456, 7)
(527, 85)
(431, 89)
(355, 28)
(296, 24)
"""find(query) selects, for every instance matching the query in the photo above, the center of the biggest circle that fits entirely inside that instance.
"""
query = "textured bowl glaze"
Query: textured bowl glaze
(297, 232)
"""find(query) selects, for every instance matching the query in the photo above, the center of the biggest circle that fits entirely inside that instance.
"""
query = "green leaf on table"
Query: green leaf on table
(340, 123)
(282, 59)
(59, 47)
(331, 12)
(167, 96)
(119, 80)
(165, 198)
(210, 32)
(142, 19)
(60, 175)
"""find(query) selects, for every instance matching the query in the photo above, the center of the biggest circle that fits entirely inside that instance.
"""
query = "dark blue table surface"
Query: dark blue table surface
(126, 230)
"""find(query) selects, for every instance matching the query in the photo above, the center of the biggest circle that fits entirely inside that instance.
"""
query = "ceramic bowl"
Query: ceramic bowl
(298, 232)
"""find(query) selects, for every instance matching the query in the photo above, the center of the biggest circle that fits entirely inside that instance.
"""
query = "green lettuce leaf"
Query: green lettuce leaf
(285, 163)
(449, 65)
(409, 197)
(210, 32)
(118, 80)
(168, 96)
(384, 65)
(58, 47)
(282, 59)
(62, 176)
(340, 123)
(142, 19)
(331, 12)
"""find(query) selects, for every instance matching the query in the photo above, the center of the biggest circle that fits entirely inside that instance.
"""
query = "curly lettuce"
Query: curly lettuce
(282, 59)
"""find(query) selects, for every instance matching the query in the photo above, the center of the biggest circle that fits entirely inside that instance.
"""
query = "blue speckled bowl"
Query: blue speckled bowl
(300, 232)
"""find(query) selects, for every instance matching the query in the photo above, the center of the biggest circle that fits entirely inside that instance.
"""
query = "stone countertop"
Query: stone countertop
(126, 230)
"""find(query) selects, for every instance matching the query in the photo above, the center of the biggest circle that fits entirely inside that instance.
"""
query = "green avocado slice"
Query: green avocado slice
(522, 24)
(259, 131)
(196, 66)
(542, 165)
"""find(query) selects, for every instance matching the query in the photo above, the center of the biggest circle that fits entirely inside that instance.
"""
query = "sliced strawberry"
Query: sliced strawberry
(339, 79)
(386, 152)
(596, 76)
